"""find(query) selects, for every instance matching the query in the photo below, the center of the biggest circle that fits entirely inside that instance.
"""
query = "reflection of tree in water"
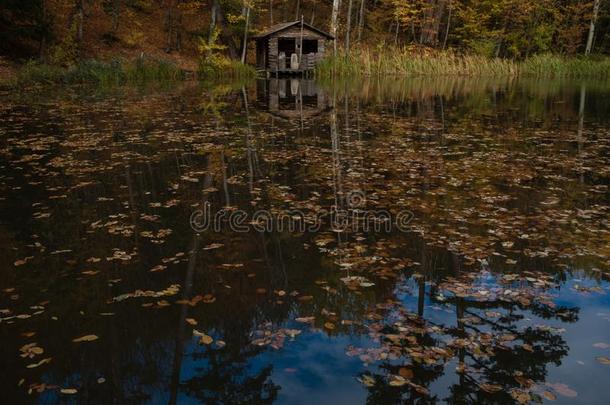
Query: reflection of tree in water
(497, 358)
(505, 368)
(226, 379)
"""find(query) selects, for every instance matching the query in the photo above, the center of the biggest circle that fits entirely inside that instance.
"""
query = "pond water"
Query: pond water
(420, 241)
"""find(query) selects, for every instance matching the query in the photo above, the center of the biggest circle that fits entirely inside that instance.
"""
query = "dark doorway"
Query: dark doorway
(286, 45)
(310, 46)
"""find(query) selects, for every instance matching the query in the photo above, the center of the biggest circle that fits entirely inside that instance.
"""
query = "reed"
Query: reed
(405, 62)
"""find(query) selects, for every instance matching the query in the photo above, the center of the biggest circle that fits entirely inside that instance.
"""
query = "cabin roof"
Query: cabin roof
(281, 27)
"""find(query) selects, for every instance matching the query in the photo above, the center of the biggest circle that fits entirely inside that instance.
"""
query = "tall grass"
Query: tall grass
(100, 73)
(403, 62)
(557, 66)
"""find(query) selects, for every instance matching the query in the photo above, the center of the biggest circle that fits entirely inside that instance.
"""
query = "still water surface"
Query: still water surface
(496, 291)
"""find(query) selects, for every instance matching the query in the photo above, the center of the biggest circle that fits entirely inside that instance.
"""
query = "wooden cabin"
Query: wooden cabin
(290, 48)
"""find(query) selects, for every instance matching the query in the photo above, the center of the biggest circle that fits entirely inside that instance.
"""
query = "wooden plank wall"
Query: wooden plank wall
(273, 53)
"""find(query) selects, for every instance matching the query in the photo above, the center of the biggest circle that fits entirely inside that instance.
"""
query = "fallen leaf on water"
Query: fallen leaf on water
(355, 281)
(367, 380)
(68, 391)
(490, 388)
(40, 363)
(292, 333)
(549, 395)
(520, 396)
(86, 338)
(329, 325)
(191, 321)
(31, 350)
(564, 390)
(603, 360)
(204, 339)
(397, 381)
(527, 347)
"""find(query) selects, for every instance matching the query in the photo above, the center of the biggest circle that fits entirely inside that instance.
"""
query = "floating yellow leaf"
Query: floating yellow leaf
(206, 339)
(603, 360)
(86, 338)
(549, 395)
(491, 388)
(40, 363)
(397, 381)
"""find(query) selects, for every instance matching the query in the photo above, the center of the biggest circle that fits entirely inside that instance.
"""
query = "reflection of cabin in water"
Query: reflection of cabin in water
(290, 48)
(291, 99)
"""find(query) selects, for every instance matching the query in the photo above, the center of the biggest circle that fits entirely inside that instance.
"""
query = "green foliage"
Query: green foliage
(212, 63)
(221, 66)
(65, 53)
(100, 73)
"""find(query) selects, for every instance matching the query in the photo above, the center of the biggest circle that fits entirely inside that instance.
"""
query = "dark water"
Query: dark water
(494, 288)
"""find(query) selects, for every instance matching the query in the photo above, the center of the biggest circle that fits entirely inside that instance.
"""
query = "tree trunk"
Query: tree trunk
(170, 25)
(596, 5)
(333, 26)
(42, 48)
(348, 27)
(270, 12)
(218, 22)
(425, 22)
(436, 23)
(115, 14)
(448, 25)
(80, 16)
(298, 11)
(361, 20)
(244, 48)
(397, 30)
(212, 29)
(178, 29)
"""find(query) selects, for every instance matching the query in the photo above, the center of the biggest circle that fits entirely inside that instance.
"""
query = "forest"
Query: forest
(183, 32)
